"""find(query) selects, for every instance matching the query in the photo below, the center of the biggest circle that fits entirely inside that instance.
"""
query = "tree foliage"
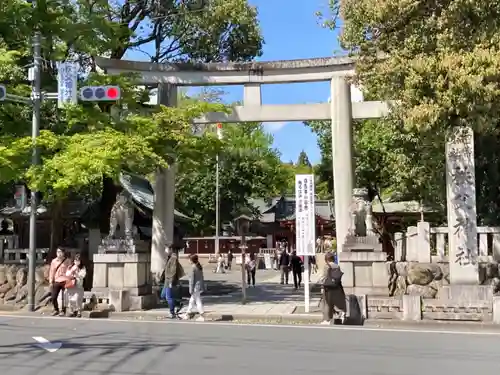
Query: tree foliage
(396, 162)
(303, 160)
(249, 167)
(80, 145)
(439, 60)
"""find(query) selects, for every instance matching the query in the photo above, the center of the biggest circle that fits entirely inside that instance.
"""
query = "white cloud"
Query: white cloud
(273, 127)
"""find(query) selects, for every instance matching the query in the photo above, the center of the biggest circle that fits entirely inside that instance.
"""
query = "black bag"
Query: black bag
(334, 278)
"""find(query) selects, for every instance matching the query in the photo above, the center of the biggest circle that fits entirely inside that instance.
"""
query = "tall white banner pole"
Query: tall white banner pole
(307, 297)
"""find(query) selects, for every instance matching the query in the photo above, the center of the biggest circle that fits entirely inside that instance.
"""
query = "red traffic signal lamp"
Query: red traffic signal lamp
(100, 93)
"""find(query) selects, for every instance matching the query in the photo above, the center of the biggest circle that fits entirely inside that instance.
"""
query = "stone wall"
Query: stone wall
(384, 308)
(416, 308)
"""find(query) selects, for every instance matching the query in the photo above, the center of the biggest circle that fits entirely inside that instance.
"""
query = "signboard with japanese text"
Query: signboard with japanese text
(67, 80)
(305, 216)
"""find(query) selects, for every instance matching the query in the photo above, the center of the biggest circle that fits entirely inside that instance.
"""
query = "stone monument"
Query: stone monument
(121, 268)
(462, 221)
(362, 259)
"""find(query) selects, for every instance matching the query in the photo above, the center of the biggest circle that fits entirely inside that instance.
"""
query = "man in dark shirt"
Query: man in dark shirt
(296, 265)
(173, 273)
(284, 263)
(229, 259)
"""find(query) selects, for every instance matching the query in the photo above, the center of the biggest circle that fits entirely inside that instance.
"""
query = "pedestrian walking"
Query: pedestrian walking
(173, 273)
(230, 257)
(57, 280)
(332, 290)
(296, 265)
(313, 267)
(196, 288)
(74, 286)
(251, 266)
(284, 264)
(220, 265)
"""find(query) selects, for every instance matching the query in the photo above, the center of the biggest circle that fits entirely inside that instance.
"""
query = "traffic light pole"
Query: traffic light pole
(36, 99)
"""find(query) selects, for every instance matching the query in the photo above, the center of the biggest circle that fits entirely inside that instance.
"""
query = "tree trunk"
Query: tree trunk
(56, 228)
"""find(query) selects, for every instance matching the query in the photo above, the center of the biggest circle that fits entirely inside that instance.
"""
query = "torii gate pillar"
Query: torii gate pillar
(342, 155)
(164, 195)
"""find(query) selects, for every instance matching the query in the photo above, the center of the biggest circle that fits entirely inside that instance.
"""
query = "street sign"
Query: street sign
(67, 80)
(305, 223)
(3, 93)
(100, 93)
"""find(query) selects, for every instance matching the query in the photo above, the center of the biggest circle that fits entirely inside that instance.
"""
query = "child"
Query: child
(74, 287)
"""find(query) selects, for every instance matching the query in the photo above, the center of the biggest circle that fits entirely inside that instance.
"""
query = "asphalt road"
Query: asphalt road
(107, 347)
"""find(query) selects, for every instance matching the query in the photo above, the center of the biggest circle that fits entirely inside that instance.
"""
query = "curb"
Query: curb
(217, 317)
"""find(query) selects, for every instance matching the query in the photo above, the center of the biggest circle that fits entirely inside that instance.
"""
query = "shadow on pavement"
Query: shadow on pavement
(104, 349)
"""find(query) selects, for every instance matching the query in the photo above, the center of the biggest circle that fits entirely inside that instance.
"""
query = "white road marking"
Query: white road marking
(276, 326)
(45, 344)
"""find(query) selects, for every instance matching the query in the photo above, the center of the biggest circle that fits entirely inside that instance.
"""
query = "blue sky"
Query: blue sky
(290, 32)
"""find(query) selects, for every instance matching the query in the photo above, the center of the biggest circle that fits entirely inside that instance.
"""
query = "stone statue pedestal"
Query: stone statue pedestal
(122, 245)
(125, 279)
(364, 265)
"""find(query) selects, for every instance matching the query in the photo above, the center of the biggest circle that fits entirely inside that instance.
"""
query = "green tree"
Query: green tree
(440, 61)
(249, 167)
(385, 159)
(303, 160)
(84, 147)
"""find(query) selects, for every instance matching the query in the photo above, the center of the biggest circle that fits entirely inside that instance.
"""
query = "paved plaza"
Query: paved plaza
(157, 348)
(268, 299)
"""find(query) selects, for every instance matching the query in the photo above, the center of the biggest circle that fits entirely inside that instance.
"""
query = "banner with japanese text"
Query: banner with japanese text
(305, 215)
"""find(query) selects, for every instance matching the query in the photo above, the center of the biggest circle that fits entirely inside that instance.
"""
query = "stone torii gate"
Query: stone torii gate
(340, 111)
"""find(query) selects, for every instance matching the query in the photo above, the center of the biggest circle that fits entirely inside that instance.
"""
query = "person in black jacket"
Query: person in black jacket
(296, 266)
(284, 263)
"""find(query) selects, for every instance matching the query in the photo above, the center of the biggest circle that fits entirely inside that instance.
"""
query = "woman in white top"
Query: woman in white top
(74, 286)
(220, 265)
(251, 266)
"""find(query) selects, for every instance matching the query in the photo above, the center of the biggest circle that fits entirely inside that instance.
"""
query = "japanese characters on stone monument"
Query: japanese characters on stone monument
(461, 193)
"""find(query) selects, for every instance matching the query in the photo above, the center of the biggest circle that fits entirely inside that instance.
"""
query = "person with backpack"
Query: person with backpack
(332, 291)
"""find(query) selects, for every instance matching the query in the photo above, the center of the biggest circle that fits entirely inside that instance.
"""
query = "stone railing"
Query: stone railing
(20, 256)
(425, 244)
(416, 308)
(10, 241)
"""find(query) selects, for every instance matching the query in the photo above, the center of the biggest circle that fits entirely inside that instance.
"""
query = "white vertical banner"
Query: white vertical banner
(305, 217)
(305, 225)
(67, 81)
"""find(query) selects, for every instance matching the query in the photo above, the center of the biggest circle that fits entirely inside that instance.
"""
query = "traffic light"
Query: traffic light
(100, 93)
(3, 93)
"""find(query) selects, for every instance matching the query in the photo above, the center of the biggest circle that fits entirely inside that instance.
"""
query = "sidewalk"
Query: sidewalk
(267, 301)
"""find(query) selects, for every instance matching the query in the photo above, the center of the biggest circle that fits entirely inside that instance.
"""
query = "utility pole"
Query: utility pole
(217, 195)
(217, 207)
(36, 98)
